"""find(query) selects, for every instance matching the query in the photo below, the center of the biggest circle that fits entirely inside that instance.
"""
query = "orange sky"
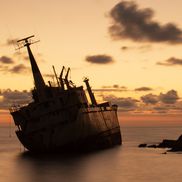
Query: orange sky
(129, 120)
(72, 30)
(149, 120)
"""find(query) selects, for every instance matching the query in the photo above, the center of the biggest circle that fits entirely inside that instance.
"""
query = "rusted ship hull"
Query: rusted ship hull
(103, 140)
(93, 130)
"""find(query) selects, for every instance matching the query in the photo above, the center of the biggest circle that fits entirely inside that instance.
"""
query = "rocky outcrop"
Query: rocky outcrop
(173, 145)
(167, 144)
(177, 145)
(143, 145)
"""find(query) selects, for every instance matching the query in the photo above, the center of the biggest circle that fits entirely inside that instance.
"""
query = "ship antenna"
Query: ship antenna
(91, 94)
(66, 79)
(26, 42)
(56, 76)
(61, 78)
(38, 79)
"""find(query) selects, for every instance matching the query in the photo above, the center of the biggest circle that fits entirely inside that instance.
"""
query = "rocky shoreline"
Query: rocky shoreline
(173, 145)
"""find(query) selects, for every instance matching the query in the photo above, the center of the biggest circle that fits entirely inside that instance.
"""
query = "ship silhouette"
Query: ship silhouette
(60, 118)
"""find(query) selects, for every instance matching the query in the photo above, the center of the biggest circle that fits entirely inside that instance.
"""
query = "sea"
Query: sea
(126, 163)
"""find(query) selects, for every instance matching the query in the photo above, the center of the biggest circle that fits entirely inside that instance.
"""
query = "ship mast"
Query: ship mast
(38, 79)
(91, 94)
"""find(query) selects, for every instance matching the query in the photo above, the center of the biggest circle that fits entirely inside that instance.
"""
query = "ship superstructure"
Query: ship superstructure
(60, 117)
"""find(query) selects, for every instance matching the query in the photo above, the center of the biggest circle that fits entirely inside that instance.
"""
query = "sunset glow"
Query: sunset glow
(130, 50)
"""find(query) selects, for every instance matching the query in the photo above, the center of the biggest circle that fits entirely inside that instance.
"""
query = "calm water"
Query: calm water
(120, 164)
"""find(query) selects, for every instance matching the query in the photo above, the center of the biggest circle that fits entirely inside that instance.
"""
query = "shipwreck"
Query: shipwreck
(60, 118)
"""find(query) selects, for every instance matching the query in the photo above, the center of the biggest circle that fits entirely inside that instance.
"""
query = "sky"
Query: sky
(130, 50)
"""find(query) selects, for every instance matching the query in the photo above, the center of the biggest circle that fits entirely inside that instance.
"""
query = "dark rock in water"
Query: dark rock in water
(152, 146)
(174, 145)
(164, 153)
(178, 145)
(167, 144)
(143, 145)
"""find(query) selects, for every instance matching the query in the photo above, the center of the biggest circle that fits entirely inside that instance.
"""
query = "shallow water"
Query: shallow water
(120, 164)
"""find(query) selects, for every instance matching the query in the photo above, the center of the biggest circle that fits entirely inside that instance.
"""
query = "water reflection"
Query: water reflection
(127, 163)
(64, 167)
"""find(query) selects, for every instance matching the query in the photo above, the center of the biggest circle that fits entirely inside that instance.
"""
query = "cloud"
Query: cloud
(130, 22)
(168, 102)
(143, 89)
(160, 109)
(168, 108)
(9, 97)
(15, 95)
(142, 48)
(118, 88)
(109, 90)
(6, 60)
(26, 58)
(171, 62)
(125, 48)
(113, 88)
(20, 68)
(124, 104)
(150, 99)
(23, 55)
(7, 65)
(15, 69)
(169, 98)
(99, 59)
(11, 41)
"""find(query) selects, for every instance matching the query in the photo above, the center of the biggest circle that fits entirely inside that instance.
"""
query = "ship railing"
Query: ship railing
(105, 106)
(15, 108)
